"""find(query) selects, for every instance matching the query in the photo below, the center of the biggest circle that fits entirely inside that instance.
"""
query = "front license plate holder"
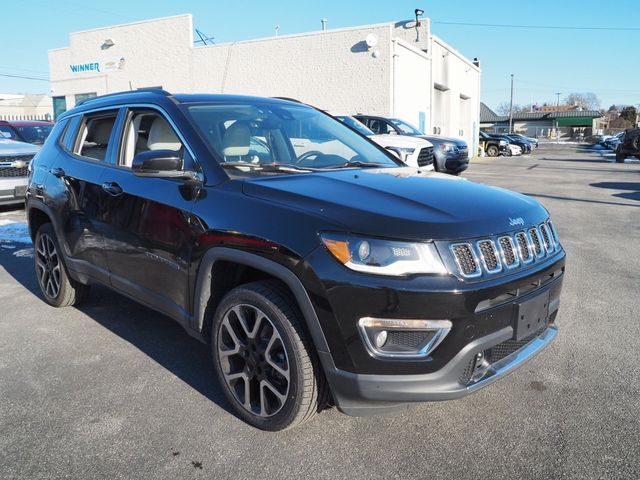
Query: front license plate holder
(20, 191)
(532, 315)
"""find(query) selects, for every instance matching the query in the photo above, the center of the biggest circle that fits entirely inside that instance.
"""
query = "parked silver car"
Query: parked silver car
(15, 158)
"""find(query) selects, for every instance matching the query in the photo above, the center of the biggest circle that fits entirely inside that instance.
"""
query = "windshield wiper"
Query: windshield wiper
(268, 167)
(358, 164)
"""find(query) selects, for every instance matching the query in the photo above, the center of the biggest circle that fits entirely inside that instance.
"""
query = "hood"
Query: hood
(400, 202)
(13, 147)
(402, 141)
(437, 139)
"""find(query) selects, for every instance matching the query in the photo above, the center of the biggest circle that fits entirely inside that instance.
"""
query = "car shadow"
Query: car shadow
(156, 335)
(633, 187)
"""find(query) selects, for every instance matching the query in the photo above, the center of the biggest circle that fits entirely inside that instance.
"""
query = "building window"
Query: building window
(59, 106)
(81, 97)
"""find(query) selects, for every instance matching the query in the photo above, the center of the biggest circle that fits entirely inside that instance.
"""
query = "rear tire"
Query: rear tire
(58, 289)
(492, 151)
(265, 364)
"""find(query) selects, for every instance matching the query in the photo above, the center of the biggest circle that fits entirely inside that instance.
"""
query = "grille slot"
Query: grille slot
(552, 232)
(9, 170)
(6, 172)
(535, 239)
(412, 340)
(545, 237)
(425, 157)
(489, 256)
(523, 247)
(508, 252)
(466, 259)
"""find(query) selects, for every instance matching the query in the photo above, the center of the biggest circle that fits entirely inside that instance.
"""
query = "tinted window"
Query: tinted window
(286, 134)
(147, 130)
(6, 131)
(36, 134)
(94, 135)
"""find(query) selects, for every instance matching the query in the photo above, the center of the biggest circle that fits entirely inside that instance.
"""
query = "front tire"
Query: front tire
(620, 157)
(58, 289)
(492, 151)
(266, 366)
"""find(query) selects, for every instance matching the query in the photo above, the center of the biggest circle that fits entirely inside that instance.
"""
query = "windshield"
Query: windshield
(247, 136)
(35, 134)
(406, 128)
(8, 132)
(355, 124)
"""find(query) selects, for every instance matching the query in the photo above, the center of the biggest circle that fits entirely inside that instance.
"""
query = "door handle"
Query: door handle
(112, 188)
(57, 172)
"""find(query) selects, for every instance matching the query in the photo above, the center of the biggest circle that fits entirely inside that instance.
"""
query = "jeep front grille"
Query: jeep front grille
(425, 157)
(523, 247)
(466, 259)
(545, 238)
(535, 239)
(504, 252)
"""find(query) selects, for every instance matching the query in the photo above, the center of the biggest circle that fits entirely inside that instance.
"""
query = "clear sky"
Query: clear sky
(543, 60)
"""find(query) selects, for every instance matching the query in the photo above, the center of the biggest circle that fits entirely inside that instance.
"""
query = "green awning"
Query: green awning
(575, 122)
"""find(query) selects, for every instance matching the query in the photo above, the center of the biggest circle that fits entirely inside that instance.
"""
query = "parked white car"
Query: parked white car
(415, 152)
(513, 150)
(15, 158)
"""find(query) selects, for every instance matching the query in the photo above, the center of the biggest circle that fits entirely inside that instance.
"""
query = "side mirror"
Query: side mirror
(159, 163)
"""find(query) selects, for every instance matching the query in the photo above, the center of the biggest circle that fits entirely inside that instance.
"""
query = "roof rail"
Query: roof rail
(157, 90)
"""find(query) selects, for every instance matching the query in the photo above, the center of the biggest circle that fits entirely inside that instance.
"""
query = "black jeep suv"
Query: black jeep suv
(320, 269)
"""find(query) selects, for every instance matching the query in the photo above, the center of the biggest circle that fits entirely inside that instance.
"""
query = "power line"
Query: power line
(23, 77)
(23, 69)
(545, 27)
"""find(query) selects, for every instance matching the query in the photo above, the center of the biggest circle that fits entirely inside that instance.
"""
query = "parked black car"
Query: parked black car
(629, 145)
(493, 147)
(525, 145)
(319, 268)
(451, 154)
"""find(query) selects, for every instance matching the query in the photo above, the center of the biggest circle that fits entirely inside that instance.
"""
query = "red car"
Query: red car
(29, 131)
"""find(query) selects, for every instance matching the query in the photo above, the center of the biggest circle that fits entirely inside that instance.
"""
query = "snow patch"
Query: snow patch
(14, 232)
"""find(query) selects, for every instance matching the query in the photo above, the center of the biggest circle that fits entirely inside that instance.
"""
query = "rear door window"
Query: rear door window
(94, 135)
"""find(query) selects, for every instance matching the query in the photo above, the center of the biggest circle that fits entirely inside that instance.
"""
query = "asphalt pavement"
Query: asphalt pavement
(114, 390)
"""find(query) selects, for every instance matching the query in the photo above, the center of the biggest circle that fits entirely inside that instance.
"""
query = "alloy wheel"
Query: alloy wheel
(253, 360)
(48, 266)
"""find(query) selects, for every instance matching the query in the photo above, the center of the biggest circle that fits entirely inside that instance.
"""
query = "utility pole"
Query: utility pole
(558, 105)
(511, 108)
(557, 122)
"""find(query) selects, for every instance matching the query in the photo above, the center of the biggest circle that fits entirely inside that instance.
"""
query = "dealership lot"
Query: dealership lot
(114, 390)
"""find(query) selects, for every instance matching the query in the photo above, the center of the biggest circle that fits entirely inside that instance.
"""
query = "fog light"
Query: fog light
(381, 338)
(404, 338)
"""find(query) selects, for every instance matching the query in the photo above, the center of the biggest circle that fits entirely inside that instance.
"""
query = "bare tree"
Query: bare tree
(587, 101)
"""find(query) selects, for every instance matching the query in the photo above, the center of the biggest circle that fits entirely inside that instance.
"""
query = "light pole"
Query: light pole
(511, 108)
(557, 122)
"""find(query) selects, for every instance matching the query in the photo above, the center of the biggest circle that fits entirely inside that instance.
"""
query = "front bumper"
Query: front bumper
(12, 190)
(361, 395)
(362, 384)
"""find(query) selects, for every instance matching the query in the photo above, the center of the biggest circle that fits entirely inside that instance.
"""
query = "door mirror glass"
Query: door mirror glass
(158, 163)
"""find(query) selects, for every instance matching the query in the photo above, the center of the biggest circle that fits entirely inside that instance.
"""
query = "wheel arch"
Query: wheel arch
(202, 312)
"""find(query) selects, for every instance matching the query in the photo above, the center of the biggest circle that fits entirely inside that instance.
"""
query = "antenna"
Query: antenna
(204, 38)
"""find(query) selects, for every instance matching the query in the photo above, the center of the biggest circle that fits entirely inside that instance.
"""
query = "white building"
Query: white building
(398, 69)
(25, 107)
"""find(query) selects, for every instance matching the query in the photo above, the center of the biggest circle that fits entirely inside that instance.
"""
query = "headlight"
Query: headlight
(503, 142)
(447, 147)
(383, 257)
